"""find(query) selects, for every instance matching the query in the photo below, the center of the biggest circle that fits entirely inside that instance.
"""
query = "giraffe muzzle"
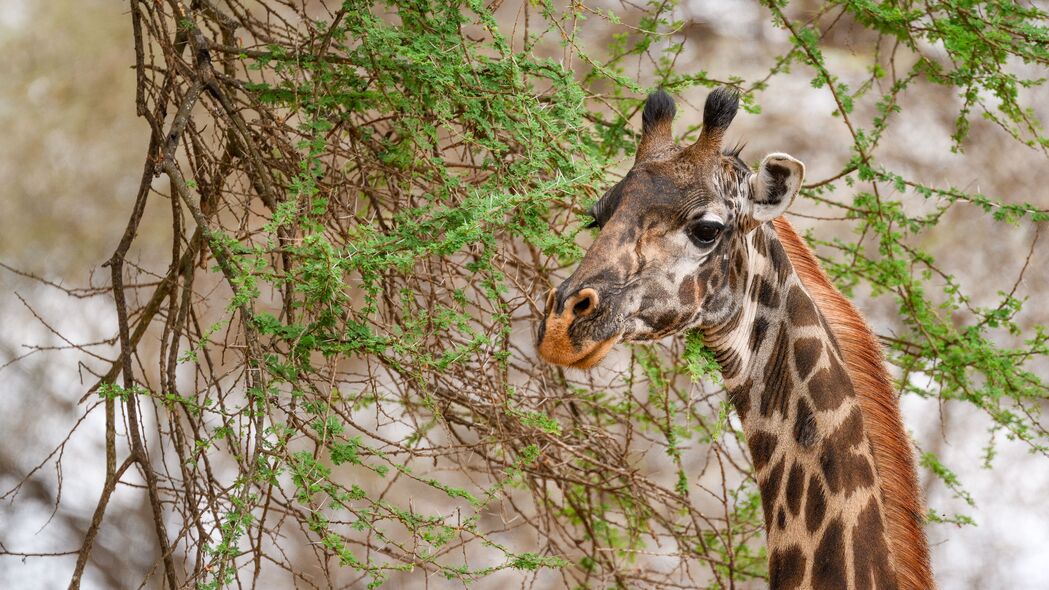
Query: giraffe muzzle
(561, 342)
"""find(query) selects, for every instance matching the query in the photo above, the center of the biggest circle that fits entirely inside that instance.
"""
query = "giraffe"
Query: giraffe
(692, 238)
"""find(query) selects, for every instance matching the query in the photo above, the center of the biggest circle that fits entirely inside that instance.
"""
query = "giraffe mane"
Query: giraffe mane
(893, 457)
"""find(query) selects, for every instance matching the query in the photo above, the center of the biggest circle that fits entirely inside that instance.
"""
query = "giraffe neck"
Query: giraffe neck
(820, 492)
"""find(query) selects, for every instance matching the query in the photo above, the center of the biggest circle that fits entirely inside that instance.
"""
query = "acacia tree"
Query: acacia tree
(332, 382)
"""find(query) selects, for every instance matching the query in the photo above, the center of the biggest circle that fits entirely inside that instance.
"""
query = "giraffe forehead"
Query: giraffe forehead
(673, 192)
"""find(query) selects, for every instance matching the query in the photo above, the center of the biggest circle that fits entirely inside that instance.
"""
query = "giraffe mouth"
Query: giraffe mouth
(559, 351)
(595, 355)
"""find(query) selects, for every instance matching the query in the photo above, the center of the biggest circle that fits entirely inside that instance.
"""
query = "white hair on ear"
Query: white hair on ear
(775, 185)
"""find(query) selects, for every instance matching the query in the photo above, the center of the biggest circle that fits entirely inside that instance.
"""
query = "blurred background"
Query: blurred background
(71, 156)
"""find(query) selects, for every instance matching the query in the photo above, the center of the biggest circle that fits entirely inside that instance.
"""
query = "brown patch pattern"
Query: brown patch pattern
(800, 310)
(827, 389)
(757, 333)
(828, 562)
(740, 398)
(805, 432)
(815, 504)
(795, 489)
(845, 470)
(786, 568)
(770, 491)
(762, 445)
(778, 383)
(870, 553)
(807, 353)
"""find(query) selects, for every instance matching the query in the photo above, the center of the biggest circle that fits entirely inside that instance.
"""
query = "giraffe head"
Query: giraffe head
(672, 253)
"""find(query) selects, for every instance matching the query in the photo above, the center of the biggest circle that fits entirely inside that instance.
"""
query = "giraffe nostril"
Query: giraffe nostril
(581, 307)
(586, 303)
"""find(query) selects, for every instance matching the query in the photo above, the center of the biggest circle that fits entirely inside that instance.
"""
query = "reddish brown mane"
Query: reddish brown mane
(881, 414)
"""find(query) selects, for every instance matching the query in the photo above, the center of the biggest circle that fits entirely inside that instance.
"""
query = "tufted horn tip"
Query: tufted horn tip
(656, 122)
(721, 107)
(718, 112)
(659, 109)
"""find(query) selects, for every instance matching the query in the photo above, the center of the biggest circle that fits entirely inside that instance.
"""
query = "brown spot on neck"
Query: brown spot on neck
(871, 566)
(778, 382)
(828, 563)
(815, 504)
(770, 493)
(795, 489)
(787, 568)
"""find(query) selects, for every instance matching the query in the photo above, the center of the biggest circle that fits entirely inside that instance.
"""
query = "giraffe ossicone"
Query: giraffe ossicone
(688, 240)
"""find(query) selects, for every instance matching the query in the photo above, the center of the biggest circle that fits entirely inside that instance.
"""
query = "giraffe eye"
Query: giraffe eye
(705, 232)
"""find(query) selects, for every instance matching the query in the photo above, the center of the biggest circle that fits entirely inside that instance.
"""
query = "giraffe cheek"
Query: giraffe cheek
(691, 291)
(665, 322)
(626, 263)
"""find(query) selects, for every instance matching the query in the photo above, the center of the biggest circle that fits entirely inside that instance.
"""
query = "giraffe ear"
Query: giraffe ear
(774, 186)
